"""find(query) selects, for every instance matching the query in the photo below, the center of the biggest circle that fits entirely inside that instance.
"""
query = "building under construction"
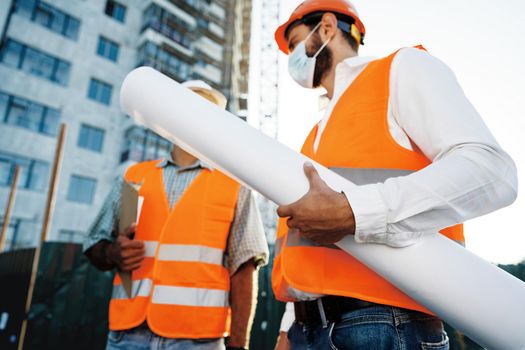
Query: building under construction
(63, 62)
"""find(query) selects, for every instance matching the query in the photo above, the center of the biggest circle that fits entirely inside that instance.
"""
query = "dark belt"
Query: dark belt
(327, 309)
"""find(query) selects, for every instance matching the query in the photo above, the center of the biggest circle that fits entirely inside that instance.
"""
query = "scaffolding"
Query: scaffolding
(269, 69)
(268, 96)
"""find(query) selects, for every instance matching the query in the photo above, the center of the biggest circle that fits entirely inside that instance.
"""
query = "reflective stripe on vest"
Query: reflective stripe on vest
(151, 248)
(139, 288)
(278, 246)
(188, 296)
(360, 176)
(185, 252)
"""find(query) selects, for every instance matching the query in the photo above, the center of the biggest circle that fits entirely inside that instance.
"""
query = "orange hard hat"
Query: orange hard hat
(342, 7)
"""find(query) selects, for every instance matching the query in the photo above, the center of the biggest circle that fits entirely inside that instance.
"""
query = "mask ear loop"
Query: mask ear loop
(321, 48)
(313, 31)
(324, 44)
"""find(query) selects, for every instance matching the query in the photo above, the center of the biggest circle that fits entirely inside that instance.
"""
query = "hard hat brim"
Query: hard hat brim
(280, 37)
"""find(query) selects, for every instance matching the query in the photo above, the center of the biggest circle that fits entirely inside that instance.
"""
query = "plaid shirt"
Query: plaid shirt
(246, 239)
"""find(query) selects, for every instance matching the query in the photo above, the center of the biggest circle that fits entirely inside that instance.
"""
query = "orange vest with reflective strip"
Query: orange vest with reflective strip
(357, 144)
(181, 288)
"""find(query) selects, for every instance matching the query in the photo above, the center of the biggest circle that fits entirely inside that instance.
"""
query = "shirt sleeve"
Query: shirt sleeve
(246, 239)
(288, 318)
(470, 174)
(107, 219)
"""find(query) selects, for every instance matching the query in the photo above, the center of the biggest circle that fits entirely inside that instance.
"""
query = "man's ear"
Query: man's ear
(328, 27)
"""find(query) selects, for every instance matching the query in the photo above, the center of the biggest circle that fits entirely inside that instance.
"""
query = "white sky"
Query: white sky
(482, 41)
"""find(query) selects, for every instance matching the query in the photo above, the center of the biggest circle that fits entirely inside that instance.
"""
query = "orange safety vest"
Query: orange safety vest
(357, 144)
(182, 287)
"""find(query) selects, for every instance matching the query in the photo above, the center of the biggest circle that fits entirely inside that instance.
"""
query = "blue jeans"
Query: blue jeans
(142, 338)
(374, 328)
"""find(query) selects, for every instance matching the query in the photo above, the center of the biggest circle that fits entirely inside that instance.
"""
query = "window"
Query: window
(35, 62)
(115, 10)
(43, 15)
(61, 74)
(100, 91)
(202, 23)
(11, 53)
(38, 64)
(71, 236)
(4, 101)
(91, 138)
(50, 122)
(21, 114)
(33, 173)
(29, 115)
(163, 22)
(13, 231)
(5, 172)
(49, 16)
(25, 8)
(166, 62)
(37, 179)
(81, 189)
(142, 144)
(108, 49)
(72, 28)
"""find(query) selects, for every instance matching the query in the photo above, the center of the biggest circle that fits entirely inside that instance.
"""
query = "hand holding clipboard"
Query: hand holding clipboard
(126, 252)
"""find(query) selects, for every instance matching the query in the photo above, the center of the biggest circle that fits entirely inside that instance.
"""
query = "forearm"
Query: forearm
(282, 341)
(97, 254)
(243, 301)
(471, 181)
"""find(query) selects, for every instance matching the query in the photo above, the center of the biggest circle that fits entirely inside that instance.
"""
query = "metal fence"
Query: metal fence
(69, 308)
(70, 302)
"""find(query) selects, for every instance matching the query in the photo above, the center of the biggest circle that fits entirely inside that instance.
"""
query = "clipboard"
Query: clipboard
(130, 206)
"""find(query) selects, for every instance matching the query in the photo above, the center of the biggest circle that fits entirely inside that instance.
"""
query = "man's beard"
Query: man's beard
(323, 61)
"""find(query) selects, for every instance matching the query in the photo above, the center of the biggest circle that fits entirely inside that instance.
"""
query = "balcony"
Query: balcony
(203, 9)
(164, 60)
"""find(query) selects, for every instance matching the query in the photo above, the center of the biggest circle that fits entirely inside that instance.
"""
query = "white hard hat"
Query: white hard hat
(202, 88)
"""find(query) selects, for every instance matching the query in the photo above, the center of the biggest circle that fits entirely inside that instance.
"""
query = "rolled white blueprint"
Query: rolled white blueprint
(472, 295)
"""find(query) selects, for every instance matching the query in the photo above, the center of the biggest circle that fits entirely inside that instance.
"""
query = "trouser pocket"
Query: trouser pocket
(442, 345)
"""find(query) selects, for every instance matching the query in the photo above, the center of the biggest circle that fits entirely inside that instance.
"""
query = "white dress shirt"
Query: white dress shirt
(288, 318)
(470, 174)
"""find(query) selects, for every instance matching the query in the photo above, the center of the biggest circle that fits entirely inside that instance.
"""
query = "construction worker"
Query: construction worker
(193, 255)
(421, 161)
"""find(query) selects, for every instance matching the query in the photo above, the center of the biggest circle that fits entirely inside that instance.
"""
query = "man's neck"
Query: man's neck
(182, 158)
(328, 80)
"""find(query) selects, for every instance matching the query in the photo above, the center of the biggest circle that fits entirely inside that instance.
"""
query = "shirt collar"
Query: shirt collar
(355, 61)
(168, 161)
(346, 70)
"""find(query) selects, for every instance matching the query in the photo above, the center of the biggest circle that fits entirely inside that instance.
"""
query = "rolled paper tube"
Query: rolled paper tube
(472, 295)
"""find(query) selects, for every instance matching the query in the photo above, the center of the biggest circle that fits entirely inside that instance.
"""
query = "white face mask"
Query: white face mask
(300, 66)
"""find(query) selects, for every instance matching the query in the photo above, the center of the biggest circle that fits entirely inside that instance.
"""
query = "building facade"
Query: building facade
(63, 61)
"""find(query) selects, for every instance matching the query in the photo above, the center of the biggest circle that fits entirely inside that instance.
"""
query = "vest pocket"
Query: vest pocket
(216, 225)
(219, 212)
